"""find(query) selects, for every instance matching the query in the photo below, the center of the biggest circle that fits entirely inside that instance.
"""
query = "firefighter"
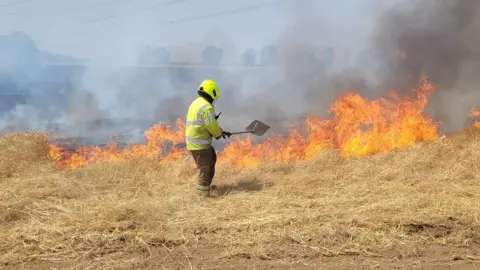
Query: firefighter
(200, 126)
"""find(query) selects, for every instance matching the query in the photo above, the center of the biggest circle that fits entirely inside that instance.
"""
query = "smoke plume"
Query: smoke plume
(437, 39)
(322, 51)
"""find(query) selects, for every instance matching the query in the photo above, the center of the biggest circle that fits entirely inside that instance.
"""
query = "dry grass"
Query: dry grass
(138, 214)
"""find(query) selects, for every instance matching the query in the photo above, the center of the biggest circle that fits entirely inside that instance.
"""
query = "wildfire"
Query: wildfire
(359, 127)
(475, 113)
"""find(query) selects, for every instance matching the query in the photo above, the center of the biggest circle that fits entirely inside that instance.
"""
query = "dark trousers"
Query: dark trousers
(205, 160)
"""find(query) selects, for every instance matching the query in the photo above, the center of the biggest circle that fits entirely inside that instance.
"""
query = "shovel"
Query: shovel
(256, 128)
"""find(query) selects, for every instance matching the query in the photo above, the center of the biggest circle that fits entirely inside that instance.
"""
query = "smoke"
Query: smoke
(402, 41)
(313, 63)
(30, 94)
(320, 51)
(437, 39)
(108, 95)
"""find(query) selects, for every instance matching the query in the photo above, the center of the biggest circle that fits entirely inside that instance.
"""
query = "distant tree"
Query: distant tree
(212, 55)
(161, 56)
(153, 56)
(18, 51)
(26, 80)
(143, 55)
(249, 57)
(268, 55)
(326, 56)
(20, 41)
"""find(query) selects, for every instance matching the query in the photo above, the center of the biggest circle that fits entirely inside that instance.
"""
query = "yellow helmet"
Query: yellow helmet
(210, 88)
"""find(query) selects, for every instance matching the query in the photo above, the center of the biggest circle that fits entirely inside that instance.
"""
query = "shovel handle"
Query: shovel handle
(240, 132)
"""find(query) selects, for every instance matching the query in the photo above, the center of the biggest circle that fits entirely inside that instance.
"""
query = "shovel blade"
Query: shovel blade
(257, 128)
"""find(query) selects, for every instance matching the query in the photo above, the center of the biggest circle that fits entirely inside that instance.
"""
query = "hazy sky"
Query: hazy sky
(83, 28)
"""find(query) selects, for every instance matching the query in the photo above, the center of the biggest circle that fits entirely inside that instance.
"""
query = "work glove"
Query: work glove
(217, 116)
(226, 134)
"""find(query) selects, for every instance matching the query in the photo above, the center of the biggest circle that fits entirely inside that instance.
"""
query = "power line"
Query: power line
(15, 3)
(222, 13)
(153, 7)
(105, 4)
(111, 17)
(84, 8)
(201, 17)
(149, 8)
(69, 10)
(108, 17)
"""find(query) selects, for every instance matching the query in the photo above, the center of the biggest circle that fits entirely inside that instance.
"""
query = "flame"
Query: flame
(359, 127)
(157, 136)
(475, 113)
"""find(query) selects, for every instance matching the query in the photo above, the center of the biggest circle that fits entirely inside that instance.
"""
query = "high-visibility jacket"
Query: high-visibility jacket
(201, 125)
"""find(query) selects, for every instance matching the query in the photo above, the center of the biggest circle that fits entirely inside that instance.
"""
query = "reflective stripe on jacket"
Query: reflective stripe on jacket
(201, 125)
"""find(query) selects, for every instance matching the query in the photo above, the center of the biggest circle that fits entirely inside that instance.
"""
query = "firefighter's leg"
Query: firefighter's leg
(212, 166)
(213, 188)
(203, 160)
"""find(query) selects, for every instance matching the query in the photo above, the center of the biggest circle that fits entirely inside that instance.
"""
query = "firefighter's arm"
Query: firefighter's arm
(211, 123)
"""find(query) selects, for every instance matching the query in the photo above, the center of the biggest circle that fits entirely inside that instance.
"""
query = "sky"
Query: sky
(90, 27)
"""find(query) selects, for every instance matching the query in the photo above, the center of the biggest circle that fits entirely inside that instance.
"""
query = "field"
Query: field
(418, 207)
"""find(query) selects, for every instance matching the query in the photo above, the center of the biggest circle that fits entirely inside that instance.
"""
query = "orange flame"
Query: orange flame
(475, 113)
(359, 128)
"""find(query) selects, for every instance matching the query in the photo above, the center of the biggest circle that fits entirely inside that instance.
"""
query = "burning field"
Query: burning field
(376, 185)
(359, 128)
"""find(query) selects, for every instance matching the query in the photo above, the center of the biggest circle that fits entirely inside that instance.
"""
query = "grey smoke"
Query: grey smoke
(440, 40)
(103, 97)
